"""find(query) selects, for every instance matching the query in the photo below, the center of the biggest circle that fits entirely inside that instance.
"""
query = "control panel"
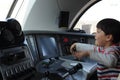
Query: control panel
(15, 63)
(67, 41)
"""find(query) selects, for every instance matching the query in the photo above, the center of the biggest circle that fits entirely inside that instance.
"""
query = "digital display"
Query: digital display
(47, 47)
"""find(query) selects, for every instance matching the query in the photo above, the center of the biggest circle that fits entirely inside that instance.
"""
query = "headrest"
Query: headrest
(10, 33)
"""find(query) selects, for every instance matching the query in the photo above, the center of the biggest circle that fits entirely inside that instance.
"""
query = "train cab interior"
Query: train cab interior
(36, 35)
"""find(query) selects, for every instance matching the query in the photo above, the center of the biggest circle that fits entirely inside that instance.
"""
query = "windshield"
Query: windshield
(14, 9)
(102, 9)
(4, 8)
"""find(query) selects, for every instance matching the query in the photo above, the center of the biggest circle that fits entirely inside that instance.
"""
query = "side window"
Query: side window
(4, 8)
(102, 9)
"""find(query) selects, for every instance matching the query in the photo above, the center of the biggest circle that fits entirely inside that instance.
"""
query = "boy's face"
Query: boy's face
(101, 38)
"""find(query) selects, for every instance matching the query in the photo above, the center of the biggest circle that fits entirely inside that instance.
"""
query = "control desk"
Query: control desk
(52, 51)
(15, 63)
(61, 67)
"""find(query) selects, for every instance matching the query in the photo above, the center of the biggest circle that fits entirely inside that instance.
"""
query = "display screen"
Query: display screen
(47, 47)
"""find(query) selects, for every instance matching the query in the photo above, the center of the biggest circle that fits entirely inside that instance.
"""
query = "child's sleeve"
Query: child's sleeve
(85, 47)
(109, 60)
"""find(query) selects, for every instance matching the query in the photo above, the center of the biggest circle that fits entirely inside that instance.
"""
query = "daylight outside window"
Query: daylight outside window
(101, 10)
(17, 12)
(4, 8)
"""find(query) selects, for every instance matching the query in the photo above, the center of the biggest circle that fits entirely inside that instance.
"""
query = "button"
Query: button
(28, 65)
(24, 66)
(7, 73)
(31, 64)
(20, 67)
(16, 70)
(11, 71)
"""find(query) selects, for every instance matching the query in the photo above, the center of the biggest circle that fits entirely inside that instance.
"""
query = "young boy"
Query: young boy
(106, 51)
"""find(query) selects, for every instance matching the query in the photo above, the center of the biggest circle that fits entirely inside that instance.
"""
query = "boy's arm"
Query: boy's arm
(108, 60)
(85, 47)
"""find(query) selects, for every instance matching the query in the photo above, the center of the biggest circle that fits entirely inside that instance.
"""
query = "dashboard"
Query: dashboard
(58, 42)
(51, 51)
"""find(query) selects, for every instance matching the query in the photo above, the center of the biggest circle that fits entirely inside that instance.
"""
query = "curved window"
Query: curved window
(17, 9)
(5, 6)
(101, 10)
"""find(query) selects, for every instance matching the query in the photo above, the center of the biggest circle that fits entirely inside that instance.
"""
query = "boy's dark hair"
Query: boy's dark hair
(110, 26)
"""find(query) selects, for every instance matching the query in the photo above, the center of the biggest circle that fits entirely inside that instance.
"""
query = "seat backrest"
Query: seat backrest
(11, 33)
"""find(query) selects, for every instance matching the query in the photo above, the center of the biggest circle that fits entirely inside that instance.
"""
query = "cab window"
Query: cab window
(5, 6)
(102, 9)
(13, 9)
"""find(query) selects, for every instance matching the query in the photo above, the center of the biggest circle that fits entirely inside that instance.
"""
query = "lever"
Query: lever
(73, 70)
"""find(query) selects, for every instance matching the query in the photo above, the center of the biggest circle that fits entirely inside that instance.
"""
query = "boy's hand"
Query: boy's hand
(73, 48)
(78, 54)
(81, 54)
